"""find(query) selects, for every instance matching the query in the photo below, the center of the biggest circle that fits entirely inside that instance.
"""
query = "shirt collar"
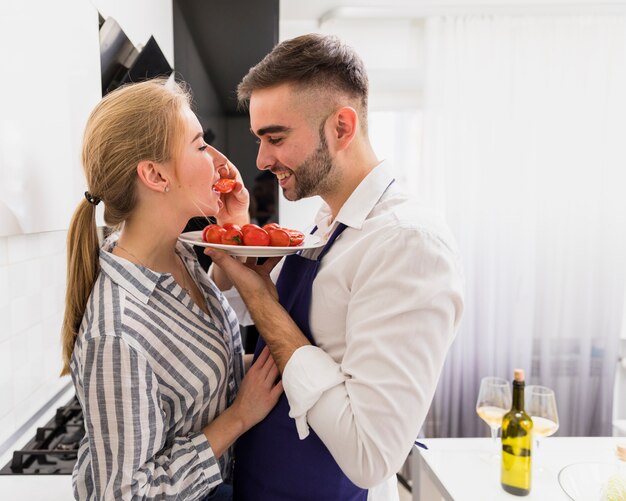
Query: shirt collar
(360, 203)
(135, 279)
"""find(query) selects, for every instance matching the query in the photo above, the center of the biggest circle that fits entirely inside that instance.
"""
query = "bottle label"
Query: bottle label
(515, 451)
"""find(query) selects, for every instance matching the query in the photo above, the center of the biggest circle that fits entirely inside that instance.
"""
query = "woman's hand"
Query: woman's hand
(233, 205)
(259, 392)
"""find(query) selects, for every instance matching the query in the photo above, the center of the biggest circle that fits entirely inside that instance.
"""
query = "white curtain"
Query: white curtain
(524, 149)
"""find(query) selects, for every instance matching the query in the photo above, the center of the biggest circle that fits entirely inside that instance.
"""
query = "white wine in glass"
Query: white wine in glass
(543, 427)
(494, 400)
(491, 415)
(541, 406)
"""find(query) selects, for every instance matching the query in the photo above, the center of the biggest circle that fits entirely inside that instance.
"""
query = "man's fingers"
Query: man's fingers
(222, 259)
(216, 255)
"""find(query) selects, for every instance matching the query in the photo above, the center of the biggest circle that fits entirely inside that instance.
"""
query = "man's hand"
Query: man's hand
(233, 205)
(250, 279)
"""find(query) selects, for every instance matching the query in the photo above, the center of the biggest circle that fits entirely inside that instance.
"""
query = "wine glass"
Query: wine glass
(540, 405)
(494, 401)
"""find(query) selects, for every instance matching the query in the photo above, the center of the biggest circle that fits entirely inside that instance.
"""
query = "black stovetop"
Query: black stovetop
(54, 448)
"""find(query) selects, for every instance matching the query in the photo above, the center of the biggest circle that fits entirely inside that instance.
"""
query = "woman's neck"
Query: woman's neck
(149, 243)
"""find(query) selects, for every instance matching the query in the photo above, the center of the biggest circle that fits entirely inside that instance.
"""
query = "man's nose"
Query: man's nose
(264, 159)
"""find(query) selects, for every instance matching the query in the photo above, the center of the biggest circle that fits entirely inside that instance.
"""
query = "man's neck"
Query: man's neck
(354, 170)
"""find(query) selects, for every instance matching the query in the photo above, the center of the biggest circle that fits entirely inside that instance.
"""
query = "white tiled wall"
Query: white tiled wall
(32, 293)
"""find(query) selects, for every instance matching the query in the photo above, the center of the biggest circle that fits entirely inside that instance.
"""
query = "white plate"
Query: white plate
(195, 238)
(584, 481)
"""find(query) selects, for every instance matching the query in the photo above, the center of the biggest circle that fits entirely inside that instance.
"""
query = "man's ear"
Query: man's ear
(153, 176)
(345, 123)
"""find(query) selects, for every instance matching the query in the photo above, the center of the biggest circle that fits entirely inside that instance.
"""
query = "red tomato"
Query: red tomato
(225, 185)
(271, 226)
(279, 238)
(247, 227)
(295, 237)
(232, 236)
(213, 234)
(256, 236)
(229, 226)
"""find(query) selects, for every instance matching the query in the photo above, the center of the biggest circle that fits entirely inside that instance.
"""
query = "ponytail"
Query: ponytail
(82, 269)
(133, 123)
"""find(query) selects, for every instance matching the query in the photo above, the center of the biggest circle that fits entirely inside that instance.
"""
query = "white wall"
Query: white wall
(50, 59)
(32, 289)
(32, 266)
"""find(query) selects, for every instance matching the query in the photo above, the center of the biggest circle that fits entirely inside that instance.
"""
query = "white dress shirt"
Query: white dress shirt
(385, 306)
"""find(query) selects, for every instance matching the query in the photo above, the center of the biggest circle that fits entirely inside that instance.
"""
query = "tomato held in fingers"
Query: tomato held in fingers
(279, 238)
(256, 236)
(213, 234)
(232, 236)
(295, 238)
(225, 185)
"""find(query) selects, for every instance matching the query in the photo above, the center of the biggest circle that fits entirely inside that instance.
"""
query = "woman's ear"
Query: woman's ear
(344, 127)
(152, 176)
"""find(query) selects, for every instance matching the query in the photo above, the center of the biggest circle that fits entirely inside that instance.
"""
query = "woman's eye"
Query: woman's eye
(204, 147)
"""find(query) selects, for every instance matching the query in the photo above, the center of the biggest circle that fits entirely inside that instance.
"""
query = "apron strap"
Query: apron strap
(331, 240)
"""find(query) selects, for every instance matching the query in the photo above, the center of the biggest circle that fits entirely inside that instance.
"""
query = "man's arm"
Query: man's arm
(282, 336)
(367, 409)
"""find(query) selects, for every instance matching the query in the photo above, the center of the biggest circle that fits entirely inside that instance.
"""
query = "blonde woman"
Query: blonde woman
(152, 346)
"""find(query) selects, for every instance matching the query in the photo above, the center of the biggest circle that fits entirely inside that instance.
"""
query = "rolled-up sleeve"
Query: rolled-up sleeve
(126, 426)
(368, 408)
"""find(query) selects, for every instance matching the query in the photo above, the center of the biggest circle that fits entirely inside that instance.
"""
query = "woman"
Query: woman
(152, 346)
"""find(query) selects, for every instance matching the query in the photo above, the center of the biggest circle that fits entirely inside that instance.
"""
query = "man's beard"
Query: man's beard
(316, 175)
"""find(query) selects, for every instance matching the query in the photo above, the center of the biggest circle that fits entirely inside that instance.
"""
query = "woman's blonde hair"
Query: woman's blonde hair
(136, 122)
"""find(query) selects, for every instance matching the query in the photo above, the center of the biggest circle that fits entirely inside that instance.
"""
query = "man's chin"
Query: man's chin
(291, 195)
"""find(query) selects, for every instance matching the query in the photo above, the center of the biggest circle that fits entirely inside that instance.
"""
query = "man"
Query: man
(361, 326)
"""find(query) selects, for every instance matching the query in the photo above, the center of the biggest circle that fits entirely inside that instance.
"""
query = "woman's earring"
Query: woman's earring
(166, 189)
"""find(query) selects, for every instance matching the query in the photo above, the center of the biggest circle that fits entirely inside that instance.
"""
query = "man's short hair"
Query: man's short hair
(310, 61)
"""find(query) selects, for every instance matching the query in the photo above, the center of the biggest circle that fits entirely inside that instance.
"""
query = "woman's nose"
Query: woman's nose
(219, 159)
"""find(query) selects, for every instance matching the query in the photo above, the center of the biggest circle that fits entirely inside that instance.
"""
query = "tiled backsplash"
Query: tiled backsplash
(32, 293)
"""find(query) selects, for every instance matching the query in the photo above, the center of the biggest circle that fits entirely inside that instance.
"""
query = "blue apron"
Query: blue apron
(271, 462)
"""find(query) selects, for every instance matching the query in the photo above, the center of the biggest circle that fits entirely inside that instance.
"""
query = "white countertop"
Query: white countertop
(458, 469)
(31, 487)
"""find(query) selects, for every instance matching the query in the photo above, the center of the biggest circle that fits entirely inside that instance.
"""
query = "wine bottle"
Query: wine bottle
(516, 443)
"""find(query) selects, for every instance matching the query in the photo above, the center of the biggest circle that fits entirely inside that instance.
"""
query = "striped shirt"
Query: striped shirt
(151, 370)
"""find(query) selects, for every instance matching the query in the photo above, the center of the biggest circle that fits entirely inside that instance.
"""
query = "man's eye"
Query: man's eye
(274, 140)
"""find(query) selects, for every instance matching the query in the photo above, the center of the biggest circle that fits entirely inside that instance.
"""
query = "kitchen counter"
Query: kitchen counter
(30, 487)
(459, 469)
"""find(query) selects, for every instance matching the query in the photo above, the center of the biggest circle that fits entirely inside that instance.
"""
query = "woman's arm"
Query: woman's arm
(127, 427)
